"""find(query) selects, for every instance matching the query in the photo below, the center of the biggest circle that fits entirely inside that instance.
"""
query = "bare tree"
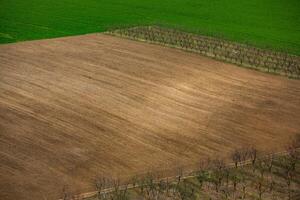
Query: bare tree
(289, 163)
(119, 191)
(261, 186)
(100, 184)
(186, 191)
(236, 157)
(239, 156)
(163, 188)
(293, 153)
(262, 165)
(253, 157)
(243, 182)
(178, 177)
(202, 177)
(148, 187)
(272, 184)
(218, 173)
(289, 177)
(153, 188)
(203, 174)
(235, 178)
(66, 194)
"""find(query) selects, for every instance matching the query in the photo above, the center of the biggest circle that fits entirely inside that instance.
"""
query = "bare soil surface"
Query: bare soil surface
(75, 107)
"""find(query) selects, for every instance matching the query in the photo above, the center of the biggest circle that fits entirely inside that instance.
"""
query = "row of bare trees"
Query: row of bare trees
(242, 54)
(250, 176)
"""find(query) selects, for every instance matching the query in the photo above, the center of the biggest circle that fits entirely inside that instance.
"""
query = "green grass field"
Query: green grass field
(264, 23)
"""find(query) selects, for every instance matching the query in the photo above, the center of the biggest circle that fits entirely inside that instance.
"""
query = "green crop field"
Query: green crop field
(264, 23)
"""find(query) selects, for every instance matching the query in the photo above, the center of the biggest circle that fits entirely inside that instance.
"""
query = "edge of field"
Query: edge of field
(243, 55)
(184, 175)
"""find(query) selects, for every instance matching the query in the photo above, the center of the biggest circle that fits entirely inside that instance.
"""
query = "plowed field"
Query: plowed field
(74, 107)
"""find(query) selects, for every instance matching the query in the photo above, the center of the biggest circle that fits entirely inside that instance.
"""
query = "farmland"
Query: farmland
(264, 23)
(74, 107)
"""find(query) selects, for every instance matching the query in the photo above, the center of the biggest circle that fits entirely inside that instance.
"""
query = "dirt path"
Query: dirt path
(74, 107)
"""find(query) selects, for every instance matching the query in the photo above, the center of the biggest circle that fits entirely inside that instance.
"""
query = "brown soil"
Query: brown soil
(74, 107)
